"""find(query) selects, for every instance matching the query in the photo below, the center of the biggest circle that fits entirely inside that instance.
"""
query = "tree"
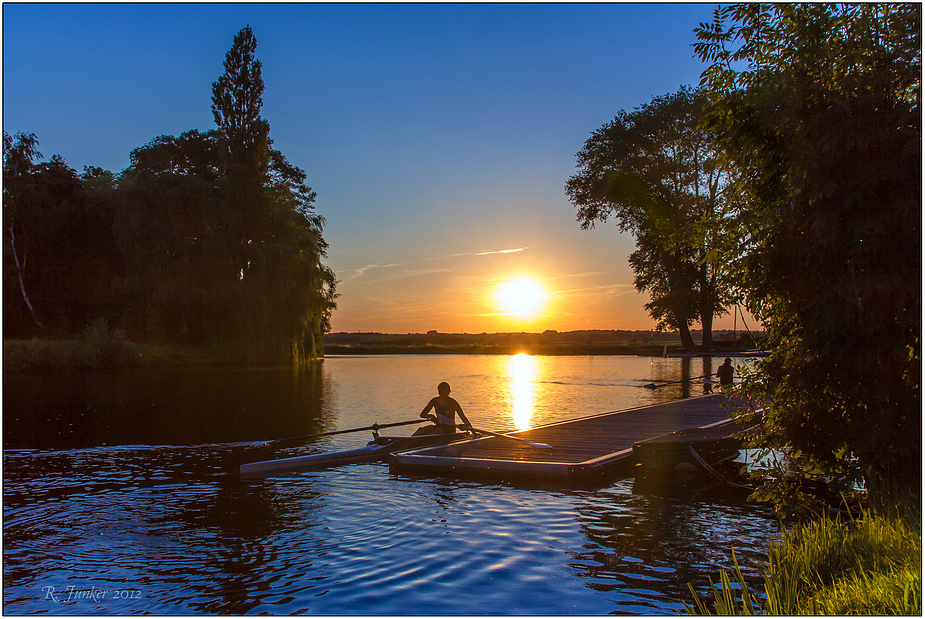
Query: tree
(286, 290)
(819, 107)
(175, 237)
(181, 245)
(237, 98)
(658, 173)
(209, 238)
(666, 274)
(18, 162)
(58, 249)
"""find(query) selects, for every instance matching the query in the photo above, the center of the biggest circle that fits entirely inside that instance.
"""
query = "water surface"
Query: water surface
(121, 496)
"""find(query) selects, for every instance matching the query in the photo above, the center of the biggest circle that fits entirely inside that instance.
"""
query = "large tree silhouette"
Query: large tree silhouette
(235, 245)
(820, 106)
(209, 238)
(237, 98)
(659, 174)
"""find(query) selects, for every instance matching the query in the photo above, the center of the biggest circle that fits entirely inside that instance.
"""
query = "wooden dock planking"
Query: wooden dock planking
(581, 447)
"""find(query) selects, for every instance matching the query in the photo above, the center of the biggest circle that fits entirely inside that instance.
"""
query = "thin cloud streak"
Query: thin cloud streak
(410, 273)
(614, 290)
(480, 253)
(502, 251)
(360, 271)
(570, 275)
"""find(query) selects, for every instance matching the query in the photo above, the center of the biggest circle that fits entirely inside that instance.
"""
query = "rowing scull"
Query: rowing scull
(377, 449)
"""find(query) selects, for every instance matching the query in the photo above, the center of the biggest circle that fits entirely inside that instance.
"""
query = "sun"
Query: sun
(520, 297)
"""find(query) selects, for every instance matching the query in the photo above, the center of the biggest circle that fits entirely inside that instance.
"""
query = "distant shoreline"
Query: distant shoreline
(575, 343)
(646, 350)
(106, 352)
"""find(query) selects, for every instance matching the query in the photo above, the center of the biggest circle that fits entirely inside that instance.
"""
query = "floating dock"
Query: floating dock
(584, 450)
(688, 459)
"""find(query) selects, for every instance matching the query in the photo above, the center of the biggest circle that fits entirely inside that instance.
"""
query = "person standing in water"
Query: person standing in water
(725, 372)
(444, 410)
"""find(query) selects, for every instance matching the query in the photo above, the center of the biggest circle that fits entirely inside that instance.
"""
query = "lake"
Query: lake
(121, 496)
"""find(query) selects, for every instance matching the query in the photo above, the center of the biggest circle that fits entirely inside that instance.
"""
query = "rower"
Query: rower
(444, 410)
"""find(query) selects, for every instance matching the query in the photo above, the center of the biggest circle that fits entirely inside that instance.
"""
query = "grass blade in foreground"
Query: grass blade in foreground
(872, 567)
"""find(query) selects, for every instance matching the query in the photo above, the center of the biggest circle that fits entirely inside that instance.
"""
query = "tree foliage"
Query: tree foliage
(172, 231)
(666, 273)
(209, 238)
(18, 162)
(59, 256)
(236, 228)
(659, 175)
(244, 141)
(819, 106)
(237, 98)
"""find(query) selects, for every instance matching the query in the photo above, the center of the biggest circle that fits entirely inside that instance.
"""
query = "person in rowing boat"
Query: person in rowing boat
(444, 410)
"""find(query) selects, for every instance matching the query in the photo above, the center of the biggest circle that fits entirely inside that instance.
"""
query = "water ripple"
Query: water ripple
(351, 540)
(172, 530)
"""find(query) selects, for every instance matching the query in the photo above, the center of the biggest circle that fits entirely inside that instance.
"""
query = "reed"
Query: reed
(865, 565)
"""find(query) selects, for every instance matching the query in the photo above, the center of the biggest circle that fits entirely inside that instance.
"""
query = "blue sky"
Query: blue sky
(439, 137)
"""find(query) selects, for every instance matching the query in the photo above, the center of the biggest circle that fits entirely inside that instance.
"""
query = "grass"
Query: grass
(97, 347)
(870, 565)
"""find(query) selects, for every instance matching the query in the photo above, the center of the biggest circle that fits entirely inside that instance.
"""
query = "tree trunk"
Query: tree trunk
(687, 341)
(706, 321)
(19, 270)
(706, 309)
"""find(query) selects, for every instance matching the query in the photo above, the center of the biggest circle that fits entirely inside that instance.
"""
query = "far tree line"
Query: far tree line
(209, 238)
(789, 180)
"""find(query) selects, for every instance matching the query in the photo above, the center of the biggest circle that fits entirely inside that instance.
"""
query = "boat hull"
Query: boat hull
(377, 450)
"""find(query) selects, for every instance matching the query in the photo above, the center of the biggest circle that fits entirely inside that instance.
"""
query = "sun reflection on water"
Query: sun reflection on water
(521, 371)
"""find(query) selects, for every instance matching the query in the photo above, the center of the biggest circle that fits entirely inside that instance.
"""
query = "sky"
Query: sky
(438, 137)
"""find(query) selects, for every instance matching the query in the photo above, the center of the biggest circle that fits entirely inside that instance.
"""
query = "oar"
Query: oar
(673, 382)
(297, 439)
(513, 438)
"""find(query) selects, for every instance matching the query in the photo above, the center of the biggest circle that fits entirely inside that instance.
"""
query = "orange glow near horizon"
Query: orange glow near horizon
(501, 291)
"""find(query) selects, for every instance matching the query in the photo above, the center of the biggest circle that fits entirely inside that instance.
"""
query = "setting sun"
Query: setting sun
(520, 297)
